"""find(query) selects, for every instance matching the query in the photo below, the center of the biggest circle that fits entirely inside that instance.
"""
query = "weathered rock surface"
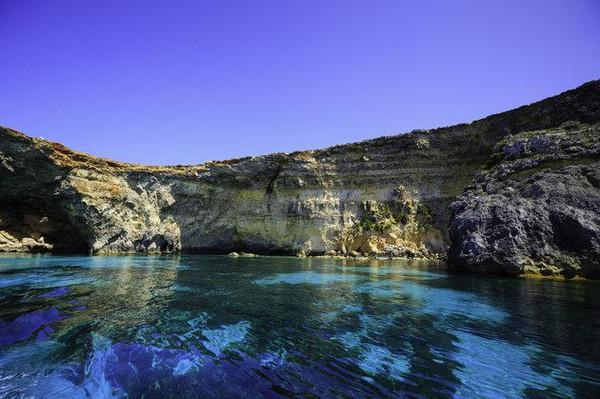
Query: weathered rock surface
(537, 210)
(388, 196)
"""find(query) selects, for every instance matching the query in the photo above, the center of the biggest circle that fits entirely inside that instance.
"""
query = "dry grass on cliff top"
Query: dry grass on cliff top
(66, 157)
(69, 158)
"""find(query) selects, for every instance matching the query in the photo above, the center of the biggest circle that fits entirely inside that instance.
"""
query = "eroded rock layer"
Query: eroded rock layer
(388, 196)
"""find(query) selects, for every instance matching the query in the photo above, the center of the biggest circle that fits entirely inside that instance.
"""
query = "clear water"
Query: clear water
(219, 327)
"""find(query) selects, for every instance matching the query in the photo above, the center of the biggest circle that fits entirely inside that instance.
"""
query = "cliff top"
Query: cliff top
(579, 104)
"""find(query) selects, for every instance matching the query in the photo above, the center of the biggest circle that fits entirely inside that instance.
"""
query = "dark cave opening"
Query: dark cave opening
(44, 222)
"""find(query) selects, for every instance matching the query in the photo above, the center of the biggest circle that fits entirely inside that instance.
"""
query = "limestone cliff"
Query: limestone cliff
(389, 195)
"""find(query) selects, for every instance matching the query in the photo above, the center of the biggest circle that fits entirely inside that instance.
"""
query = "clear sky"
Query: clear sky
(168, 82)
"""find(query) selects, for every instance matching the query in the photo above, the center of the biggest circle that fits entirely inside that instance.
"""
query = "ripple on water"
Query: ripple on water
(55, 293)
(222, 338)
(489, 366)
(397, 271)
(444, 302)
(305, 278)
(90, 262)
(38, 281)
(375, 359)
(437, 301)
(315, 332)
(24, 326)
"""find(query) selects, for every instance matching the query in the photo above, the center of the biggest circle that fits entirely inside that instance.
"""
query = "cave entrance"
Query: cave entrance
(41, 225)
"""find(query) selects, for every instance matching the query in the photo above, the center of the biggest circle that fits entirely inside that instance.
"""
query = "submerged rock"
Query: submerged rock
(247, 255)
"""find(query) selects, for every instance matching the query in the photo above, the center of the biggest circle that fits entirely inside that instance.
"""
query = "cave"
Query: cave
(42, 221)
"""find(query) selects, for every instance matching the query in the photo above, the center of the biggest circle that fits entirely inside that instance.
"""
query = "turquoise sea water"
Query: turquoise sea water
(219, 327)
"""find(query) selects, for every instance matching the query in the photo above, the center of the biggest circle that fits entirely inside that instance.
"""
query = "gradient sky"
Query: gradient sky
(168, 82)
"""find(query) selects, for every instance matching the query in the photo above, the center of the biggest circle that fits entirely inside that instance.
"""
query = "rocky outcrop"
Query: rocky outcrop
(388, 196)
(536, 209)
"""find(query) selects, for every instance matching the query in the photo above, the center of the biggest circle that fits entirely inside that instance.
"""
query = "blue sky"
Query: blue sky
(182, 82)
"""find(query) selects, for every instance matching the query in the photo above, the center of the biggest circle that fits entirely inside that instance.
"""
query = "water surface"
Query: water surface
(219, 327)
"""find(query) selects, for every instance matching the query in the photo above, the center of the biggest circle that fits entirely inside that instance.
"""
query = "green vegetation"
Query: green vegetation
(379, 218)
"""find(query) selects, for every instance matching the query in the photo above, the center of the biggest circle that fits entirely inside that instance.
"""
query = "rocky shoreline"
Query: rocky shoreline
(355, 256)
(536, 208)
(513, 193)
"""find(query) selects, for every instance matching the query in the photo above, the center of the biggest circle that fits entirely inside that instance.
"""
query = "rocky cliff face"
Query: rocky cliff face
(536, 209)
(388, 196)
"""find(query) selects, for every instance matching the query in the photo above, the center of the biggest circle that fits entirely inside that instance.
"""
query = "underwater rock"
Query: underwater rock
(24, 326)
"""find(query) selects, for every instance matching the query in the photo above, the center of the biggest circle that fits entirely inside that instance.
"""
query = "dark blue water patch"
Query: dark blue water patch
(212, 326)
(42, 280)
(55, 293)
(488, 365)
(24, 326)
